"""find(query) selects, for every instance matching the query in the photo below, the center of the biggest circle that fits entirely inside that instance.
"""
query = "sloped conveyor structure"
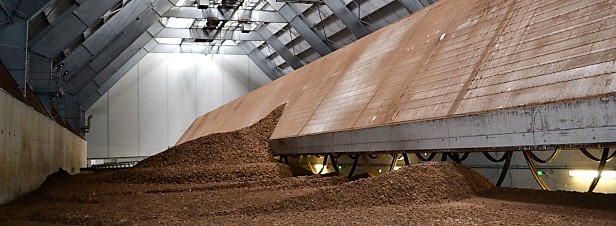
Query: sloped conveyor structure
(458, 76)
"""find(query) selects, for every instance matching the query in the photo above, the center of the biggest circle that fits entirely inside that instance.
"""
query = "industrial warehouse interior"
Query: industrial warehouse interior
(307, 112)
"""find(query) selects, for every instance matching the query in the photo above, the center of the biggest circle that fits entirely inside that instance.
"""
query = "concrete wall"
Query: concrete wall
(33, 146)
(155, 102)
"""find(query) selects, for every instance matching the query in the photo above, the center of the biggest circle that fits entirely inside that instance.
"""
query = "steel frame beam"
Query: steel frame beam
(207, 49)
(111, 81)
(280, 48)
(521, 129)
(102, 82)
(411, 5)
(215, 14)
(85, 81)
(107, 57)
(8, 10)
(118, 29)
(67, 29)
(352, 22)
(297, 21)
(201, 34)
(261, 61)
(14, 50)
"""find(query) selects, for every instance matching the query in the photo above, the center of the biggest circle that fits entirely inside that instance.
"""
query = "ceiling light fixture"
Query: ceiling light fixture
(172, 41)
(174, 22)
(203, 4)
(201, 23)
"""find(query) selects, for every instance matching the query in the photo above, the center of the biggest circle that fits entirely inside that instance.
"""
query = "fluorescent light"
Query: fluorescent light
(195, 43)
(592, 173)
(228, 43)
(319, 166)
(173, 41)
(174, 22)
(180, 3)
(201, 23)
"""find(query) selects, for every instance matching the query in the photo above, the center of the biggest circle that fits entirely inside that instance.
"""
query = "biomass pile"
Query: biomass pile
(432, 182)
(232, 179)
(241, 155)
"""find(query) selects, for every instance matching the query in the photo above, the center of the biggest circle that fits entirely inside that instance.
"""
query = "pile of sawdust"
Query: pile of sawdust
(431, 182)
(241, 155)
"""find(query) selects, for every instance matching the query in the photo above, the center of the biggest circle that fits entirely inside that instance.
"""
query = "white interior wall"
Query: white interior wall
(155, 102)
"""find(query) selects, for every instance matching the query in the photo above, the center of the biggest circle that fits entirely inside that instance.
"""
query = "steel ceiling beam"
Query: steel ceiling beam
(65, 31)
(109, 77)
(93, 91)
(280, 48)
(216, 14)
(117, 69)
(352, 22)
(93, 47)
(102, 81)
(85, 55)
(7, 9)
(31, 8)
(109, 40)
(297, 21)
(411, 5)
(427, 2)
(199, 49)
(261, 61)
(104, 63)
(13, 49)
(133, 22)
(95, 94)
(193, 33)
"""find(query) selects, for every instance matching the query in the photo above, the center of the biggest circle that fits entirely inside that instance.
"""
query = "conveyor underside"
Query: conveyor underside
(587, 123)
